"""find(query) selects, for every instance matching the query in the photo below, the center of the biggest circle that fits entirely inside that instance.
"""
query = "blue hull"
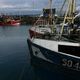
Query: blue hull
(60, 66)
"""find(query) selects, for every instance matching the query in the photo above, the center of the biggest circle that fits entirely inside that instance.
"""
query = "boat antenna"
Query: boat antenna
(69, 15)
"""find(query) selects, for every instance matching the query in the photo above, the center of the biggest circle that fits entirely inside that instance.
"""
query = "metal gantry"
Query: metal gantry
(69, 15)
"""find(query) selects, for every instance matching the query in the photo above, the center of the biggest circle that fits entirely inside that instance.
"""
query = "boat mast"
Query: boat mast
(51, 17)
(69, 15)
(72, 10)
(50, 7)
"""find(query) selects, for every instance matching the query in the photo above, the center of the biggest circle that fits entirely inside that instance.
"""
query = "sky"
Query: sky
(29, 4)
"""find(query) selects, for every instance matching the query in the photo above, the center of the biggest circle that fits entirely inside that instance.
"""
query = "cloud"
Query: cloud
(37, 4)
(2, 5)
(14, 4)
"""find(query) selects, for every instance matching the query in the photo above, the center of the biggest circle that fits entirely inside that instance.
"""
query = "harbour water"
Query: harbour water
(14, 54)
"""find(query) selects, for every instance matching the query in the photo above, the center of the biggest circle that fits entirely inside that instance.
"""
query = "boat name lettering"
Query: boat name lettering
(71, 64)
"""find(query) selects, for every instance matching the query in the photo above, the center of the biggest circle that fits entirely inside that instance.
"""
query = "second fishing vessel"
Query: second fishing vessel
(8, 21)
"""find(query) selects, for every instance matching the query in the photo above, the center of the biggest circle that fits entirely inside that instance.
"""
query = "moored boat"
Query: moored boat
(8, 21)
(59, 51)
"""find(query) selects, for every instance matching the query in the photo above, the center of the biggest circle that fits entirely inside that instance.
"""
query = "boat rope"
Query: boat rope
(62, 6)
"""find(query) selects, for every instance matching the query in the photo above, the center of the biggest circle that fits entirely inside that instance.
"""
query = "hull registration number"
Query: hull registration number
(71, 64)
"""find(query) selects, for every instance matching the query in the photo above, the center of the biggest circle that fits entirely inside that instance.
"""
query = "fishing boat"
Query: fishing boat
(59, 52)
(8, 21)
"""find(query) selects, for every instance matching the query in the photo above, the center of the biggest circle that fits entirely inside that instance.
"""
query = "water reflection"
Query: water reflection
(11, 31)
